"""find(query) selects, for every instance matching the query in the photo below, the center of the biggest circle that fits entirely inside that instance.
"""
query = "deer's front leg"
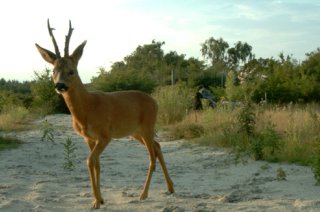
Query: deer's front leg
(93, 164)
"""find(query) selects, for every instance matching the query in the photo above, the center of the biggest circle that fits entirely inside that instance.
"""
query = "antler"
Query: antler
(66, 47)
(56, 48)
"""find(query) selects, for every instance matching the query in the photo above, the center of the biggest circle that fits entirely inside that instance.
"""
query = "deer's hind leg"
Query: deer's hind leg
(148, 143)
(163, 167)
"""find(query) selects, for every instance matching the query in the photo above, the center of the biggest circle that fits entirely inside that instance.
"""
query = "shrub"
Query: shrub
(174, 102)
(247, 119)
(13, 117)
(121, 80)
(47, 132)
(186, 131)
(69, 148)
(44, 97)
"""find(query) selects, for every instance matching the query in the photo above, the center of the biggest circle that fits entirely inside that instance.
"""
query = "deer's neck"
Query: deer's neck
(76, 99)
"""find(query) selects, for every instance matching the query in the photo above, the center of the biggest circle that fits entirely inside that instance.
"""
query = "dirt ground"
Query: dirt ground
(32, 178)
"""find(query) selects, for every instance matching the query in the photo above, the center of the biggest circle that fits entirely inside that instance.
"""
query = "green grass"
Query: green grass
(14, 118)
(279, 134)
(8, 143)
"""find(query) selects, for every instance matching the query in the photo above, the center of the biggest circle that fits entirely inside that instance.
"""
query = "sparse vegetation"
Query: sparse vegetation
(174, 103)
(13, 118)
(47, 132)
(281, 174)
(69, 148)
(286, 134)
(8, 143)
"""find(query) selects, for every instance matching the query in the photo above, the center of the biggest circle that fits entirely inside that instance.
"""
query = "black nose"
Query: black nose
(61, 87)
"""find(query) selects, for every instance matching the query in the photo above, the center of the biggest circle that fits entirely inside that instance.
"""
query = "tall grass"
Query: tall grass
(13, 117)
(288, 134)
(174, 102)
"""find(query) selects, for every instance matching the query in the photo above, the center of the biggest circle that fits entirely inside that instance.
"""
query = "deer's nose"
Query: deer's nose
(61, 87)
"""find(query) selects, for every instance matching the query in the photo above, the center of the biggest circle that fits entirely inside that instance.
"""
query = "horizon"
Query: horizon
(115, 29)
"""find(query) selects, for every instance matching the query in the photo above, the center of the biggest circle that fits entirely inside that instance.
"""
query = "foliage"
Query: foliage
(47, 132)
(13, 117)
(185, 130)
(146, 68)
(8, 143)
(15, 86)
(217, 51)
(247, 119)
(281, 174)
(208, 78)
(266, 144)
(117, 81)
(44, 96)
(233, 92)
(174, 102)
(288, 134)
(283, 80)
(69, 155)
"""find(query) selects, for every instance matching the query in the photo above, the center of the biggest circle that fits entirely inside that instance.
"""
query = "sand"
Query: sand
(32, 178)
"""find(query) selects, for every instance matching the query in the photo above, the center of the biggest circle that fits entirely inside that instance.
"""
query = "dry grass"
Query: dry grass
(13, 118)
(298, 128)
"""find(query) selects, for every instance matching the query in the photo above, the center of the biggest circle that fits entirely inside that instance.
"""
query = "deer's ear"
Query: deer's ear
(76, 55)
(47, 55)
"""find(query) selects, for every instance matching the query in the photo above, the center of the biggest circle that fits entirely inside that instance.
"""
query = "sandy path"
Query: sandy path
(32, 178)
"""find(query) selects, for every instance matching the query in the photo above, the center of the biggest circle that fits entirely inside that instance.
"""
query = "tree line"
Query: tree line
(280, 80)
(230, 71)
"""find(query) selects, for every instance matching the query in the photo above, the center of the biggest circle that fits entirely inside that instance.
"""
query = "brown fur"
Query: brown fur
(100, 116)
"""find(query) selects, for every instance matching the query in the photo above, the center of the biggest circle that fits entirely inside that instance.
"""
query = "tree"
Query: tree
(44, 96)
(215, 50)
(233, 91)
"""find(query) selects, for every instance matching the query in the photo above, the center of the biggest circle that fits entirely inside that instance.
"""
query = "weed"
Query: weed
(8, 143)
(47, 132)
(69, 148)
(281, 174)
(266, 143)
(187, 131)
(256, 148)
(13, 118)
(247, 119)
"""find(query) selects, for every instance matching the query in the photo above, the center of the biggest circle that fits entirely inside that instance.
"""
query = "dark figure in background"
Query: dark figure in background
(197, 104)
(206, 94)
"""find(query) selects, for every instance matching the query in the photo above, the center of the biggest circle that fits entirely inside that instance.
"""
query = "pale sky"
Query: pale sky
(114, 28)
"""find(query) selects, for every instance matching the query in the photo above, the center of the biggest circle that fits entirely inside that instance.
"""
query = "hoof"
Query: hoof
(143, 196)
(171, 190)
(96, 204)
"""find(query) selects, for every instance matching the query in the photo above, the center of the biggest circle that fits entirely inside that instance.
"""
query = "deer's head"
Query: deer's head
(65, 70)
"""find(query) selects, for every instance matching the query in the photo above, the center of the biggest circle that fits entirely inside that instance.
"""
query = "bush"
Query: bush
(174, 103)
(266, 144)
(247, 119)
(118, 81)
(7, 98)
(44, 97)
(13, 117)
(186, 131)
